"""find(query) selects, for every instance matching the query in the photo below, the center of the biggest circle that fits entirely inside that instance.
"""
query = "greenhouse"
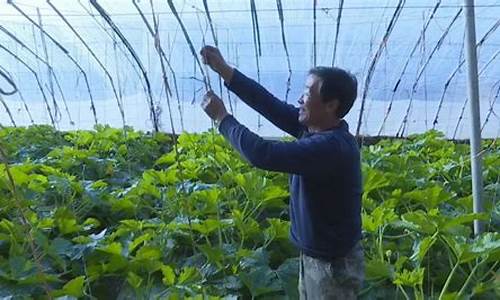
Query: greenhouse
(249, 149)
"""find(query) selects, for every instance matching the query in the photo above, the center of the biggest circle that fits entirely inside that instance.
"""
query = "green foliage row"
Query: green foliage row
(114, 213)
(417, 218)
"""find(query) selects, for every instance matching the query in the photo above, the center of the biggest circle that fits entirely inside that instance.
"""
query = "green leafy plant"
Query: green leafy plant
(107, 212)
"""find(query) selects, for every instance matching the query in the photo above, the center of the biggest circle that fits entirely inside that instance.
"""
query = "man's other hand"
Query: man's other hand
(211, 56)
(214, 107)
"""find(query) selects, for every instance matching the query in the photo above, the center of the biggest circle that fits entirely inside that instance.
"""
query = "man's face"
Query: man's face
(313, 111)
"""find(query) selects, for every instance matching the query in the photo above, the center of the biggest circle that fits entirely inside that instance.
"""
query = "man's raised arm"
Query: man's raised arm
(283, 115)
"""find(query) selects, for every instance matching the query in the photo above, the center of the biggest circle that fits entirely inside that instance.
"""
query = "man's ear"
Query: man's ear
(332, 106)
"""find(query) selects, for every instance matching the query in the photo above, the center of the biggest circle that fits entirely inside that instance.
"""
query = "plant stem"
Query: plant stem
(26, 222)
(404, 293)
(376, 284)
(380, 242)
(448, 280)
(490, 270)
(469, 278)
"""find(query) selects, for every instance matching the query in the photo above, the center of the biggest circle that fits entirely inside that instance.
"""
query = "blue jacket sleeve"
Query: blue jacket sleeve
(312, 156)
(281, 114)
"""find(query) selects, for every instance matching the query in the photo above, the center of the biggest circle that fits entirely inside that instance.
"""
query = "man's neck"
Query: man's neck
(328, 125)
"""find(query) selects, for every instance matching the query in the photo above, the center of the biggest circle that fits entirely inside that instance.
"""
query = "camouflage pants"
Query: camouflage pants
(341, 278)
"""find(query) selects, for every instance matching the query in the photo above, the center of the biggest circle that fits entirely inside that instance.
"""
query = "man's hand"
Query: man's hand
(214, 107)
(211, 56)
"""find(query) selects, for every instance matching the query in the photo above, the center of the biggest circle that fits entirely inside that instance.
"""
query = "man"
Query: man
(324, 168)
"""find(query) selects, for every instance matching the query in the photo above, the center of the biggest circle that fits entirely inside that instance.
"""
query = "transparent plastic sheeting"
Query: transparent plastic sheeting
(423, 50)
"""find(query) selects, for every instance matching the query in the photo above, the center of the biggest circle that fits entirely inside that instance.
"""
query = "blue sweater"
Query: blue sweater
(324, 168)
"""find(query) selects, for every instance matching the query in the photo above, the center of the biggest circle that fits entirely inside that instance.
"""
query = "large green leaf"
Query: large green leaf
(419, 221)
(261, 280)
(134, 280)
(168, 275)
(376, 269)
(277, 230)
(139, 240)
(114, 248)
(409, 277)
(188, 275)
(207, 226)
(20, 267)
(379, 217)
(66, 221)
(288, 275)
(148, 253)
(214, 255)
(429, 197)
(166, 159)
(74, 288)
(253, 259)
(449, 223)
(422, 247)
(273, 196)
(373, 180)
(486, 245)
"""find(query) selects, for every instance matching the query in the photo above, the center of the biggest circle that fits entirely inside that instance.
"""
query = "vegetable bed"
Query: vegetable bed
(115, 213)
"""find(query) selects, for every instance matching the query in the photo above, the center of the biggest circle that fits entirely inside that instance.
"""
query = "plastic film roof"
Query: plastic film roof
(97, 61)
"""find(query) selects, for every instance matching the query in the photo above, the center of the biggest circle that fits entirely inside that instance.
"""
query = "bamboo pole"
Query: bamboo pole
(152, 106)
(421, 70)
(283, 40)
(491, 110)
(8, 111)
(337, 31)
(59, 46)
(257, 45)
(154, 34)
(459, 66)
(39, 84)
(57, 113)
(10, 81)
(406, 64)
(216, 42)
(189, 42)
(42, 60)
(25, 105)
(373, 64)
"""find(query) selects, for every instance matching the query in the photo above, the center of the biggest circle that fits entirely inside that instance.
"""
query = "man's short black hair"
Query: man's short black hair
(337, 84)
